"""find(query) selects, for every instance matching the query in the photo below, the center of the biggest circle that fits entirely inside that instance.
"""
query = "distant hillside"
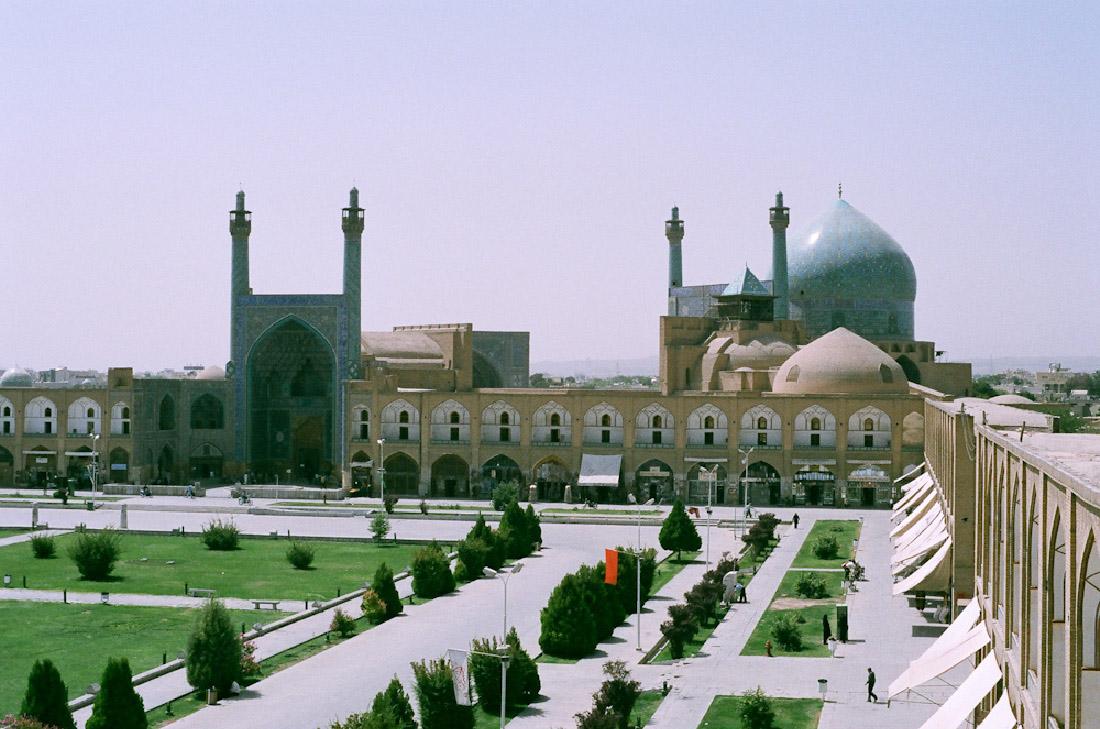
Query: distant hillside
(597, 367)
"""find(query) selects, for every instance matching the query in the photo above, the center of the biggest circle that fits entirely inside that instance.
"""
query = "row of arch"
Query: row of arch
(85, 415)
(815, 426)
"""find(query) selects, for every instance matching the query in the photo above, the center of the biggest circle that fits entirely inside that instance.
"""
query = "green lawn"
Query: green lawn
(12, 531)
(646, 706)
(723, 713)
(80, 638)
(585, 511)
(161, 565)
(693, 646)
(668, 569)
(832, 580)
(845, 530)
(544, 658)
(811, 633)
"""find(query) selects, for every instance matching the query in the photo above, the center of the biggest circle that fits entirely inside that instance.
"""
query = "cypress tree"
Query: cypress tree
(383, 586)
(213, 650)
(568, 625)
(534, 526)
(494, 559)
(513, 532)
(47, 698)
(117, 705)
(395, 701)
(678, 533)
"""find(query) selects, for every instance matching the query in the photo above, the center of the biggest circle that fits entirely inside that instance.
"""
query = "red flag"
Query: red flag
(611, 566)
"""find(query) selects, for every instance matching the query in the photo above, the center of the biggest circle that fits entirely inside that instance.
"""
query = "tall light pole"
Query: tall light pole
(489, 572)
(638, 571)
(709, 478)
(744, 469)
(95, 462)
(381, 469)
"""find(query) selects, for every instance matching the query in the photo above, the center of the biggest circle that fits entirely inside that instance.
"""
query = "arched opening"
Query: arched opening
(78, 464)
(166, 465)
(120, 419)
(555, 420)
(362, 424)
(550, 476)
(653, 480)
(39, 465)
(207, 413)
(119, 466)
(455, 417)
(40, 416)
(361, 473)
(7, 467)
(450, 476)
(909, 367)
(291, 402)
(707, 477)
(166, 413)
(814, 485)
(205, 463)
(7, 417)
(869, 486)
(402, 475)
(84, 416)
(1034, 569)
(497, 470)
(1089, 631)
(759, 485)
(1059, 638)
(605, 421)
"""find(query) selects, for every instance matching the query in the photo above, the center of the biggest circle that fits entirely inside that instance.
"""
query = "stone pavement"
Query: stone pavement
(116, 598)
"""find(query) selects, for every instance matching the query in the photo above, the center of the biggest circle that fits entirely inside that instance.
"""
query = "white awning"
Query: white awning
(932, 576)
(918, 511)
(909, 475)
(919, 487)
(967, 696)
(600, 470)
(918, 551)
(928, 524)
(1001, 716)
(948, 651)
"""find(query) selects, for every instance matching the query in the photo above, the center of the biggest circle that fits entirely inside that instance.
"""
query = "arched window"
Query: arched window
(40, 416)
(504, 418)
(885, 373)
(362, 423)
(120, 419)
(403, 417)
(7, 418)
(555, 420)
(793, 373)
(455, 417)
(657, 421)
(207, 413)
(166, 418)
(815, 423)
(762, 423)
(868, 424)
(708, 422)
(84, 416)
(605, 421)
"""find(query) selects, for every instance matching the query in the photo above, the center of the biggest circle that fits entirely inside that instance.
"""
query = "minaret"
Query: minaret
(240, 227)
(352, 223)
(674, 231)
(780, 219)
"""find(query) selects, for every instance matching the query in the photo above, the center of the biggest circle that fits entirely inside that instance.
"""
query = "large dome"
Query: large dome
(845, 270)
(840, 363)
(16, 377)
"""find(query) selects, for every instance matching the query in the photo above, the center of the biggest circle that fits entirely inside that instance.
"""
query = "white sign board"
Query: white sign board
(457, 660)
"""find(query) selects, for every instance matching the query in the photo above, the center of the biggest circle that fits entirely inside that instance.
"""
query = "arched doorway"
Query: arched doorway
(166, 465)
(450, 476)
(40, 465)
(361, 472)
(402, 475)
(119, 466)
(497, 470)
(814, 486)
(291, 394)
(206, 463)
(869, 486)
(760, 485)
(7, 467)
(909, 368)
(551, 477)
(77, 467)
(653, 480)
(714, 479)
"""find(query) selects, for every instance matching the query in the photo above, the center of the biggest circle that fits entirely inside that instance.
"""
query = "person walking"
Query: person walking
(795, 520)
(871, 695)
(826, 630)
(744, 593)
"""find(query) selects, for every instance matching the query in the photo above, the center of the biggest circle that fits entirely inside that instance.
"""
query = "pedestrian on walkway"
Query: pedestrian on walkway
(744, 593)
(768, 648)
(795, 520)
(871, 695)
(826, 630)
(737, 589)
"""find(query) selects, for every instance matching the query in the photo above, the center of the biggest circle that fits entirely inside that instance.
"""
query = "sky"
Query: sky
(517, 161)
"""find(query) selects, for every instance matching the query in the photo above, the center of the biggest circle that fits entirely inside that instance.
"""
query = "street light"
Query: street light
(382, 469)
(489, 572)
(744, 469)
(638, 570)
(95, 463)
(709, 477)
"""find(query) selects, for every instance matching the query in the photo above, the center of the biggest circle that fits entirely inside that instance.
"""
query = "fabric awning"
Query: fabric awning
(600, 470)
(932, 576)
(918, 551)
(1000, 716)
(941, 657)
(919, 487)
(909, 476)
(967, 696)
(918, 511)
(927, 524)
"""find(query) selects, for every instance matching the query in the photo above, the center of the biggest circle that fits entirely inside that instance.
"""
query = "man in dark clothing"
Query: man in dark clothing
(744, 593)
(871, 695)
(826, 630)
(795, 520)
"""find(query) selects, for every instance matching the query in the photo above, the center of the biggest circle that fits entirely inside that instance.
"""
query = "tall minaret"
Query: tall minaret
(780, 219)
(674, 231)
(352, 223)
(240, 227)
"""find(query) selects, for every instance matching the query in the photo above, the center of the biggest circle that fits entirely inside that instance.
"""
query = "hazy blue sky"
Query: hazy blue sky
(517, 161)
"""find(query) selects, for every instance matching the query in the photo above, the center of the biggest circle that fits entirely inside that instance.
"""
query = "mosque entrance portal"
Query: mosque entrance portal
(291, 394)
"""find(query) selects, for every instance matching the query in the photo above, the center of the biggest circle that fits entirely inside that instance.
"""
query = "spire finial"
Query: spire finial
(675, 212)
(240, 200)
(353, 200)
(839, 191)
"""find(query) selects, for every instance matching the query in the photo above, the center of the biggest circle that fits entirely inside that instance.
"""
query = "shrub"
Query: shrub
(432, 572)
(43, 546)
(249, 665)
(568, 625)
(221, 536)
(117, 705)
(503, 494)
(383, 586)
(423, 506)
(523, 675)
(460, 572)
(618, 693)
(678, 533)
(22, 722)
(534, 526)
(374, 608)
(342, 624)
(811, 586)
(213, 650)
(395, 701)
(300, 555)
(597, 718)
(473, 553)
(826, 547)
(756, 710)
(494, 558)
(758, 539)
(602, 599)
(786, 632)
(768, 521)
(47, 698)
(627, 584)
(95, 553)
(380, 526)
(513, 532)
(388, 502)
(679, 629)
(436, 697)
(703, 598)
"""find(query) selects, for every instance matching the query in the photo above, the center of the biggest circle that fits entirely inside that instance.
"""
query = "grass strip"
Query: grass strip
(844, 530)
(810, 631)
(724, 713)
(668, 569)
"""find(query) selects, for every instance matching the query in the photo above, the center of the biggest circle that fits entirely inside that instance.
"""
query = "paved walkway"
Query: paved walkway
(117, 598)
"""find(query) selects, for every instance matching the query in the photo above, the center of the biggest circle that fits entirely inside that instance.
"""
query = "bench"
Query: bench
(272, 604)
(200, 592)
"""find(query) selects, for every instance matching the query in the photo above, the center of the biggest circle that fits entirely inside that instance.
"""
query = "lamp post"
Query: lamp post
(744, 469)
(489, 572)
(382, 469)
(709, 478)
(95, 463)
(638, 571)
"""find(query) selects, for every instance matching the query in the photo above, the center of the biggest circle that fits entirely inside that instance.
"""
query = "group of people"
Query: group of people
(735, 590)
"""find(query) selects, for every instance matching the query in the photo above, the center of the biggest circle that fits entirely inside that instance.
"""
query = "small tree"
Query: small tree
(627, 584)
(222, 536)
(503, 494)
(43, 546)
(380, 526)
(786, 631)
(679, 629)
(602, 599)
(342, 624)
(494, 558)
(703, 598)
(95, 553)
(618, 693)
(47, 698)
(213, 650)
(513, 531)
(117, 705)
(568, 625)
(389, 501)
(473, 552)
(534, 526)
(395, 701)
(826, 547)
(523, 674)
(436, 697)
(374, 608)
(384, 587)
(756, 710)
(811, 586)
(431, 572)
(597, 717)
(678, 533)
(300, 555)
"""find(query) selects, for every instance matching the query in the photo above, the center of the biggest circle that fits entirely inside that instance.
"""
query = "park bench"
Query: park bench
(200, 592)
(273, 604)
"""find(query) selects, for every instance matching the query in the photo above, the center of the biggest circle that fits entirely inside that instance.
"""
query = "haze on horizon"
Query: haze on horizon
(517, 162)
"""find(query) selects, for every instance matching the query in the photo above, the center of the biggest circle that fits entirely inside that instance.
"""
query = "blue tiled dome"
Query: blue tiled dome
(16, 377)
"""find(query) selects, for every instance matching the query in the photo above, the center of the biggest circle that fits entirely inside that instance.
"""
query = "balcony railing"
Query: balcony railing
(601, 444)
(564, 443)
(654, 445)
(710, 446)
(869, 448)
(448, 441)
